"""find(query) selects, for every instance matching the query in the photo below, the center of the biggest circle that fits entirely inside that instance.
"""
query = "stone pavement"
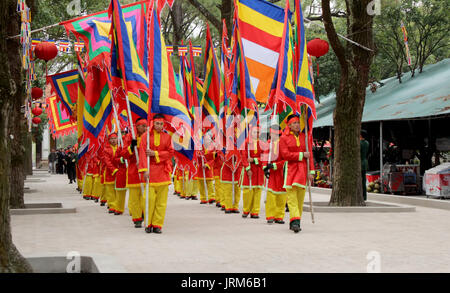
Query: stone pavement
(202, 239)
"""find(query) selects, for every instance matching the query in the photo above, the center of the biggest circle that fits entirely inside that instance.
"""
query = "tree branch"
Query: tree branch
(209, 16)
(332, 35)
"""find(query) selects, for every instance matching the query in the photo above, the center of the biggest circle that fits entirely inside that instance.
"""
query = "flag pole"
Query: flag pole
(270, 150)
(307, 162)
(147, 183)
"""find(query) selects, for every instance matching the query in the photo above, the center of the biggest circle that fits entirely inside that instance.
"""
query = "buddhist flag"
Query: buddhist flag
(261, 28)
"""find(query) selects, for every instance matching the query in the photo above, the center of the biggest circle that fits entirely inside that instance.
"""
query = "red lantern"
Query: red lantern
(36, 93)
(317, 48)
(46, 51)
(36, 111)
(36, 120)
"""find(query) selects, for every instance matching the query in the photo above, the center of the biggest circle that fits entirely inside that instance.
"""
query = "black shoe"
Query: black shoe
(194, 198)
(218, 205)
(244, 215)
(102, 204)
(117, 213)
(279, 221)
(148, 229)
(70, 182)
(203, 202)
(212, 201)
(96, 199)
(254, 216)
(236, 212)
(295, 226)
(228, 212)
(111, 212)
(187, 197)
(223, 208)
(270, 221)
(138, 224)
(157, 230)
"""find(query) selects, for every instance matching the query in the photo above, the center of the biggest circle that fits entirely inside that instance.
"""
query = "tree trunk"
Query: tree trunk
(10, 90)
(177, 20)
(355, 65)
(226, 12)
(17, 161)
(208, 15)
(28, 143)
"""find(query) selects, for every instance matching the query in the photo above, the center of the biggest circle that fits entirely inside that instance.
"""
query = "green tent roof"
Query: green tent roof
(425, 95)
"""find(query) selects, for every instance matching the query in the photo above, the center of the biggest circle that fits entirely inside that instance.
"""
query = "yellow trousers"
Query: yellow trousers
(192, 188)
(295, 199)
(157, 196)
(177, 185)
(119, 203)
(251, 200)
(88, 186)
(230, 204)
(201, 187)
(275, 206)
(110, 193)
(98, 188)
(218, 188)
(80, 184)
(135, 203)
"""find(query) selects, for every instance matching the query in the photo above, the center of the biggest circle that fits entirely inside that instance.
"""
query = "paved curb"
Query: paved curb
(43, 208)
(372, 207)
(408, 200)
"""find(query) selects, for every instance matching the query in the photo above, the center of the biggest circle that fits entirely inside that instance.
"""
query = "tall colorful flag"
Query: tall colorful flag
(129, 59)
(304, 87)
(59, 119)
(210, 101)
(97, 106)
(65, 86)
(242, 99)
(261, 28)
(166, 97)
(283, 91)
(94, 30)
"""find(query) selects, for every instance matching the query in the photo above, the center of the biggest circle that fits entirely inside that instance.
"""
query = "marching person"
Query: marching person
(97, 188)
(134, 180)
(229, 177)
(158, 146)
(252, 174)
(89, 180)
(52, 158)
(205, 175)
(276, 194)
(293, 150)
(121, 177)
(218, 162)
(71, 160)
(109, 155)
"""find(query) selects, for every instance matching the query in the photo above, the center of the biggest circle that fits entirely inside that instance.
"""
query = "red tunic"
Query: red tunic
(121, 175)
(291, 150)
(205, 158)
(133, 177)
(226, 172)
(276, 179)
(218, 162)
(160, 164)
(109, 159)
(256, 166)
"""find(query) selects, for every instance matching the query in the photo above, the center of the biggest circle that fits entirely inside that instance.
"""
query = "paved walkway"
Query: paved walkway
(200, 238)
